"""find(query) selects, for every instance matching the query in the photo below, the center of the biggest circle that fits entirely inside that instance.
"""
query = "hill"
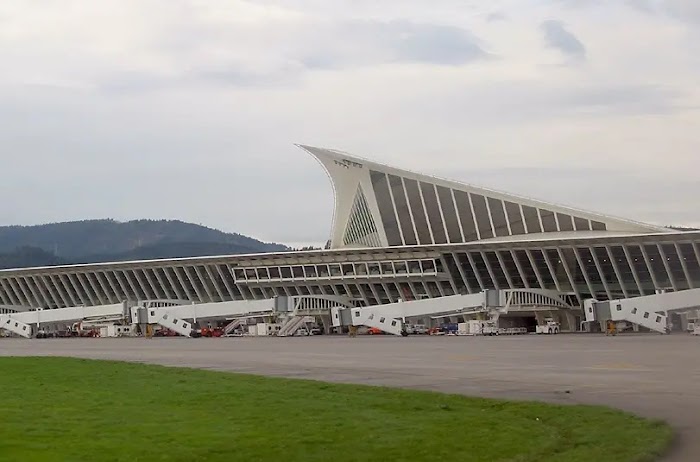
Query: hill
(93, 241)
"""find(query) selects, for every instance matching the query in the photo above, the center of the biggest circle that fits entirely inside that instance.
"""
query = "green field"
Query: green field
(59, 409)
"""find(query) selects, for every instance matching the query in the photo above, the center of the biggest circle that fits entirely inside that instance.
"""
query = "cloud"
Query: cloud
(684, 10)
(496, 16)
(558, 37)
(351, 44)
(434, 44)
(687, 10)
(190, 109)
(296, 47)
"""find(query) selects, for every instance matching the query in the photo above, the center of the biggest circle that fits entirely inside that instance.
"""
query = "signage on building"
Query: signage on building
(348, 163)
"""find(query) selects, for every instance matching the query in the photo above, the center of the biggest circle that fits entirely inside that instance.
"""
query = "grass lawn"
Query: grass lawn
(59, 409)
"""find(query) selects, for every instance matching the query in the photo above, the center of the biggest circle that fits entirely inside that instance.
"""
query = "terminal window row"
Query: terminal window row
(426, 266)
(370, 293)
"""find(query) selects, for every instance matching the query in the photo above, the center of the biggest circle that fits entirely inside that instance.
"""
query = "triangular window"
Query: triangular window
(361, 229)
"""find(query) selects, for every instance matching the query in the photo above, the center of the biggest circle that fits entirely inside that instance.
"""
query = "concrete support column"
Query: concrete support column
(570, 322)
(327, 325)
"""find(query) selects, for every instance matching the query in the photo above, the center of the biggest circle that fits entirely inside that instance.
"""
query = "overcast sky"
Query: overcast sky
(189, 109)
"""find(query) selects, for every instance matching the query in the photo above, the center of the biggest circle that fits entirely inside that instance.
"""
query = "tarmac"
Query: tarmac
(654, 376)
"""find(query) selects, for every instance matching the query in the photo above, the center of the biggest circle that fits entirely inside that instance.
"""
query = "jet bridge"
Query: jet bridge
(650, 311)
(176, 318)
(16, 322)
(169, 314)
(15, 326)
(391, 317)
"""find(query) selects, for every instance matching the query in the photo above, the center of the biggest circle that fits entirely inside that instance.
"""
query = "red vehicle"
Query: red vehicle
(212, 332)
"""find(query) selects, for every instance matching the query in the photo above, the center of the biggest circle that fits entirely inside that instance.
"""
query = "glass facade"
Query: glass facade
(465, 216)
(498, 216)
(515, 218)
(418, 212)
(421, 212)
(609, 268)
(434, 216)
(531, 219)
(549, 223)
(565, 222)
(447, 204)
(386, 208)
(402, 211)
(482, 216)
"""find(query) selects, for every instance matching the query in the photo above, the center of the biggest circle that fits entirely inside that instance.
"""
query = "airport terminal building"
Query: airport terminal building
(401, 236)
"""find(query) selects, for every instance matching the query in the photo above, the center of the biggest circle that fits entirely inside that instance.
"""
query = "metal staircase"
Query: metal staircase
(233, 325)
(292, 325)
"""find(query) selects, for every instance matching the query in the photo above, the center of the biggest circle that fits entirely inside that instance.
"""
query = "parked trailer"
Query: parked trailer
(514, 330)
(267, 328)
(115, 330)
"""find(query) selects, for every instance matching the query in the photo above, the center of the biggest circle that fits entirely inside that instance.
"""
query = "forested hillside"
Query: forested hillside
(109, 240)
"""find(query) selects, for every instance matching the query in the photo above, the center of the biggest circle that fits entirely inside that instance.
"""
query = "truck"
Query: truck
(549, 327)
(416, 329)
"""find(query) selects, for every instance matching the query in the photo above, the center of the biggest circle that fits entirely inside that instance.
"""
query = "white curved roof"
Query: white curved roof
(377, 205)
